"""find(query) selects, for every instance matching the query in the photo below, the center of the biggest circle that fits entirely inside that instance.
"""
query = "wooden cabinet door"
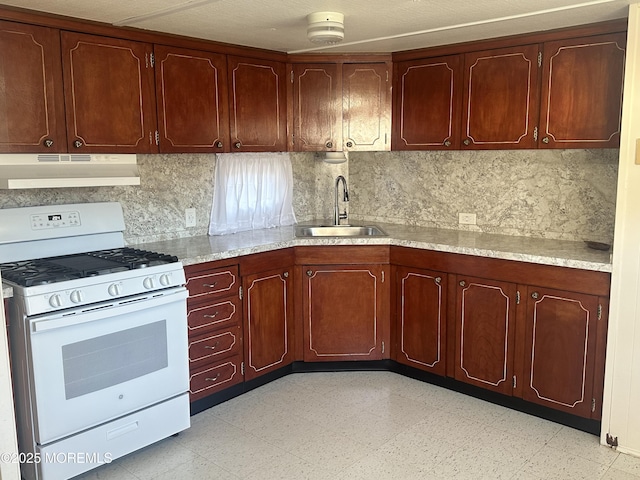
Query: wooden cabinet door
(366, 107)
(501, 98)
(428, 102)
(268, 322)
(343, 307)
(485, 333)
(191, 88)
(109, 94)
(421, 319)
(560, 349)
(257, 105)
(317, 106)
(582, 92)
(31, 100)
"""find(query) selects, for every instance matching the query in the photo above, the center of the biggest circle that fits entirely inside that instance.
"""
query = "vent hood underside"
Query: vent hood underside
(21, 171)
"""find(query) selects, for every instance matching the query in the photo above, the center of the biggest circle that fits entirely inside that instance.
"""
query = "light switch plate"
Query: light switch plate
(190, 217)
(467, 218)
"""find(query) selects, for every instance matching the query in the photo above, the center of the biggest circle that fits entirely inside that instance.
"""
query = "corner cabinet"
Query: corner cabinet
(269, 327)
(338, 107)
(109, 94)
(32, 103)
(582, 92)
(257, 103)
(191, 90)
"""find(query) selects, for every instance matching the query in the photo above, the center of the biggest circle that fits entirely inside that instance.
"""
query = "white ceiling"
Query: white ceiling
(370, 25)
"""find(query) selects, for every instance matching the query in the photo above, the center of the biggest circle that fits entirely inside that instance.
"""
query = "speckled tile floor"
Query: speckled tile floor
(369, 425)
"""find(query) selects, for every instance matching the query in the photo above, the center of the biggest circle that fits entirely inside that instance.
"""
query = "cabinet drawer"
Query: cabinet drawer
(219, 283)
(204, 316)
(216, 345)
(215, 377)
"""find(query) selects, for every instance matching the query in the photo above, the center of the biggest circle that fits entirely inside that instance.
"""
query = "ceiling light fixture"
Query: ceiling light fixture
(325, 28)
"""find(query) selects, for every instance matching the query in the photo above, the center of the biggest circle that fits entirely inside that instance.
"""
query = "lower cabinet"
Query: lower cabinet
(485, 333)
(561, 350)
(269, 326)
(214, 315)
(344, 311)
(421, 319)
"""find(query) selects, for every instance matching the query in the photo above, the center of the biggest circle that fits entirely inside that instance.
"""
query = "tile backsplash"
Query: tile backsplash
(567, 194)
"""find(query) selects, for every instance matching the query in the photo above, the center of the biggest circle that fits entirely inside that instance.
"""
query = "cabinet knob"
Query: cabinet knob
(447, 143)
(285, 274)
(349, 144)
(218, 144)
(237, 145)
(467, 141)
(78, 143)
(438, 280)
(48, 143)
(535, 295)
(545, 140)
(329, 145)
(463, 283)
(309, 273)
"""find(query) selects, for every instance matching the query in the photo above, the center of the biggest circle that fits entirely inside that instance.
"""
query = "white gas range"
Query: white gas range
(98, 338)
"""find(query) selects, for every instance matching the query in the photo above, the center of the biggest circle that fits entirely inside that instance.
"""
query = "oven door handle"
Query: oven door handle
(90, 314)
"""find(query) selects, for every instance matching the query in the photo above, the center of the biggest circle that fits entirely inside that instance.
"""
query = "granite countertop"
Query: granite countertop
(562, 253)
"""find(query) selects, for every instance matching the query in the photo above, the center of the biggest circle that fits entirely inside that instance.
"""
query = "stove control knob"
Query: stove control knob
(148, 283)
(165, 280)
(76, 296)
(114, 289)
(54, 301)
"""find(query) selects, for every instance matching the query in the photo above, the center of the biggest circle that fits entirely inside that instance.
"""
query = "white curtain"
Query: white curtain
(251, 191)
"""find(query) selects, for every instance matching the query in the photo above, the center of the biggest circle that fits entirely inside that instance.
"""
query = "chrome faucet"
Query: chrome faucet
(337, 216)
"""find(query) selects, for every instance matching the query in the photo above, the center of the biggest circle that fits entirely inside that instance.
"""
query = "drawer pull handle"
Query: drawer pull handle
(210, 285)
(209, 379)
(211, 316)
(212, 347)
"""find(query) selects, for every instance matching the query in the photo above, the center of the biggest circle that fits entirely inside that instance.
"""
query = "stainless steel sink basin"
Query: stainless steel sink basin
(339, 231)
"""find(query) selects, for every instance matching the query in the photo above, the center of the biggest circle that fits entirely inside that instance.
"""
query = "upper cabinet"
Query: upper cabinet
(582, 92)
(428, 102)
(31, 101)
(191, 91)
(500, 98)
(340, 107)
(109, 94)
(257, 98)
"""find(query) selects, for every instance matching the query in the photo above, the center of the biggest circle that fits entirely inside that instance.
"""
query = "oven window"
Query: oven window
(101, 362)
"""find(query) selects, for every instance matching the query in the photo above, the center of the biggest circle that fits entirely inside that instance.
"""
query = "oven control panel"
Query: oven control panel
(55, 220)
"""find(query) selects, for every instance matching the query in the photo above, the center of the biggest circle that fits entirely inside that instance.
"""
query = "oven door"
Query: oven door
(92, 365)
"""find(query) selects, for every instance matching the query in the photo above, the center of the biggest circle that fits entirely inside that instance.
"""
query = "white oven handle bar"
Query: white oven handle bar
(104, 310)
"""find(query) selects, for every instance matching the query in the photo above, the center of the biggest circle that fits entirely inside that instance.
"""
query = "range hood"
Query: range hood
(20, 171)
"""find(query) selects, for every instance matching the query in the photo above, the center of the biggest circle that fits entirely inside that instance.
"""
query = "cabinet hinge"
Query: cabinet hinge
(539, 59)
(387, 76)
(612, 441)
(514, 381)
(599, 311)
(383, 276)
(382, 347)
(291, 76)
(535, 133)
(157, 137)
(517, 297)
(240, 294)
(293, 139)
(593, 404)
(242, 368)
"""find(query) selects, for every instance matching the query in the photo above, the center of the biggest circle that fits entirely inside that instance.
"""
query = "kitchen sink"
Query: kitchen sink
(339, 231)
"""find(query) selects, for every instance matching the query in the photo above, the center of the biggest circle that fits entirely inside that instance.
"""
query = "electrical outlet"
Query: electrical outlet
(467, 218)
(190, 217)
